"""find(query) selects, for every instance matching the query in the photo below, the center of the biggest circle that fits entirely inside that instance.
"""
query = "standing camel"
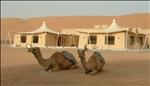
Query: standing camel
(95, 62)
(58, 61)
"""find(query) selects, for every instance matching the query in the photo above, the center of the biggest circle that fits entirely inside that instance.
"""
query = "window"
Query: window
(92, 39)
(131, 40)
(109, 39)
(23, 39)
(35, 39)
(141, 40)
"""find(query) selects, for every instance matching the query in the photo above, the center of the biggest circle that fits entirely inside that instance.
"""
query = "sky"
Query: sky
(27, 9)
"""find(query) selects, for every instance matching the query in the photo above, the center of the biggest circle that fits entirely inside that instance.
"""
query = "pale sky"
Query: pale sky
(27, 9)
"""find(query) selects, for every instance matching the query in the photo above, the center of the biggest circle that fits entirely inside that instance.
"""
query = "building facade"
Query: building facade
(111, 37)
(45, 37)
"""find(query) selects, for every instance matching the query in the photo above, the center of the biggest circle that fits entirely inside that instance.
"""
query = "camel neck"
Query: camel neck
(40, 58)
(83, 61)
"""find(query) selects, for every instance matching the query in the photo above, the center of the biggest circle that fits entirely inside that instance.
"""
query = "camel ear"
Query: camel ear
(78, 50)
(85, 47)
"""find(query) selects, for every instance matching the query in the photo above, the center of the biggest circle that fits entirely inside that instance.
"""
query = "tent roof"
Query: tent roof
(43, 28)
(112, 28)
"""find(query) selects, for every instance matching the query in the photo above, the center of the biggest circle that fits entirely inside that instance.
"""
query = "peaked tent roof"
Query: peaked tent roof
(112, 28)
(43, 28)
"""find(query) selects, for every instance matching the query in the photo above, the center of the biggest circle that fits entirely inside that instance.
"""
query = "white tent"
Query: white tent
(112, 28)
(44, 37)
(43, 28)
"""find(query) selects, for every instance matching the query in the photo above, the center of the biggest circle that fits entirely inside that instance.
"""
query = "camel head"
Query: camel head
(81, 52)
(34, 50)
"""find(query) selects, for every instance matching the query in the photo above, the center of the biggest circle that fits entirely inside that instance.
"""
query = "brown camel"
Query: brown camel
(95, 62)
(58, 61)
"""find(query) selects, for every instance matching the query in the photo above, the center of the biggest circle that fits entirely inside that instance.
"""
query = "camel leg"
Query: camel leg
(55, 69)
(87, 71)
(93, 72)
(74, 66)
(47, 69)
(100, 67)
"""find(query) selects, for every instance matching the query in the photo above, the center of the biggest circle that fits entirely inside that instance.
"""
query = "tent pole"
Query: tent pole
(73, 41)
(62, 41)
(89, 38)
(57, 40)
(145, 41)
(126, 40)
(137, 42)
(130, 40)
(44, 41)
(5, 40)
(9, 38)
(107, 41)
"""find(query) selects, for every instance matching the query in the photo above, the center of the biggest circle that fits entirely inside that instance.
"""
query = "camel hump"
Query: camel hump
(99, 56)
(69, 56)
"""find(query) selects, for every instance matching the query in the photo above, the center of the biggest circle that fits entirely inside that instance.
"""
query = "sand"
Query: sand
(20, 68)
(58, 23)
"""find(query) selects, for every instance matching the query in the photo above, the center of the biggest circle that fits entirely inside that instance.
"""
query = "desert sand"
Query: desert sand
(20, 68)
(58, 23)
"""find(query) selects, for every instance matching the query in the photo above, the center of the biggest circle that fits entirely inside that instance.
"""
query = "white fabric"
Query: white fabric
(112, 28)
(43, 28)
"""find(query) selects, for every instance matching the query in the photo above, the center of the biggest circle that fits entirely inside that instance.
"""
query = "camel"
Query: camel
(58, 61)
(95, 63)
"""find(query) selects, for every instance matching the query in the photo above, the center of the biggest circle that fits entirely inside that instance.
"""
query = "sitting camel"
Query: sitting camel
(95, 62)
(58, 61)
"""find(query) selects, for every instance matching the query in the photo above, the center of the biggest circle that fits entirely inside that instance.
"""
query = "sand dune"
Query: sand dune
(60, 22)
(19, 68)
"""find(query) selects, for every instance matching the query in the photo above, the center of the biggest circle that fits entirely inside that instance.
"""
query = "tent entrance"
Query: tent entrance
(67, 41)
(59, 41)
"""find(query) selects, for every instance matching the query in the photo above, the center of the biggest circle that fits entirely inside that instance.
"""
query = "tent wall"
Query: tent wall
(68, 40)
(41, 39)
(65, 40)
(51, 39)
(136, 43)
(76, 40)
(119, 41)
(83, 39)
(29, 39)
(141, 40)
(46, 39)
(147, 44)
(18, 42)
(17, 39)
